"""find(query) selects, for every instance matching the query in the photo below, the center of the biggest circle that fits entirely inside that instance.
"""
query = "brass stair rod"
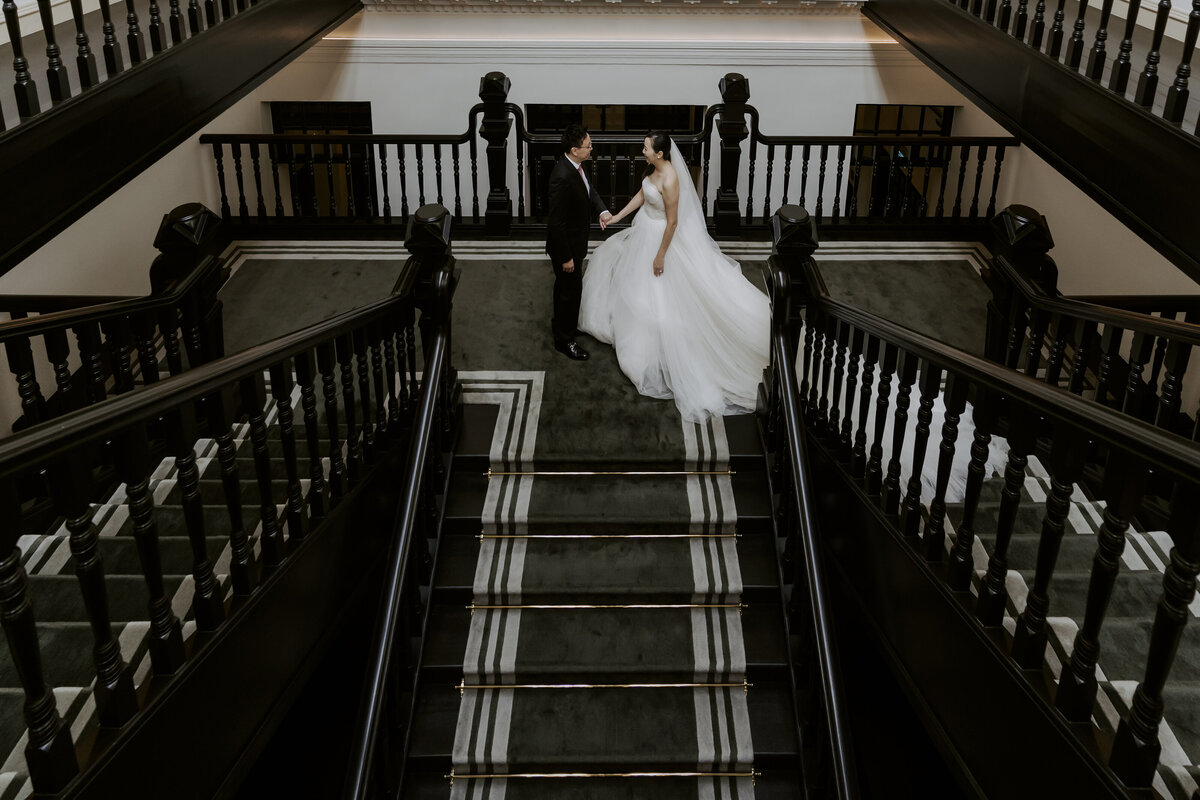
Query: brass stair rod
(751, 774)
(743, 685)
(576, 606)
(628, 473)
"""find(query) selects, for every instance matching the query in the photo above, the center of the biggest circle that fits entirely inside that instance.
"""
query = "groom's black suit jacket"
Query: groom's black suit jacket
(572, 209)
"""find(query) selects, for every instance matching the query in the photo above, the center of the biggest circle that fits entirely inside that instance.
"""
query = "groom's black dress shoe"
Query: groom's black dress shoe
(572, 350)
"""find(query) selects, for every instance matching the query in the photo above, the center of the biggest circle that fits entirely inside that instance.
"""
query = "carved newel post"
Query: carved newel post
(794, 240)
(187, 236)
(735, 91)
(428, 239)
(1022, 238)
(493, 91)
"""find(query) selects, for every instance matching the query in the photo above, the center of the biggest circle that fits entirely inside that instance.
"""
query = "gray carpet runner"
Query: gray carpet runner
(605, 657)
(1125, 634)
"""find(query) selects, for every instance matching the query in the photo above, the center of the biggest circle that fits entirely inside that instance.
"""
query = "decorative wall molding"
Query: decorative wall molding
(780, 7)
(732, 55)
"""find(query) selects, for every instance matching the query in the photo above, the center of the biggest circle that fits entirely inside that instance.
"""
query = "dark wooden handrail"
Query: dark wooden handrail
(1159, 449)
(1142, 303)
(845, 778)
(47, 303)
(1170, 329)
(64, 435)
(58, 320)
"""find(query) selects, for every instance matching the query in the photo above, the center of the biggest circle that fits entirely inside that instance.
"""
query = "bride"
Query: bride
(684, 321)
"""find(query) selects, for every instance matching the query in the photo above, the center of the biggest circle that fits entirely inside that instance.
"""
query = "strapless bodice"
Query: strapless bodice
(654, 206)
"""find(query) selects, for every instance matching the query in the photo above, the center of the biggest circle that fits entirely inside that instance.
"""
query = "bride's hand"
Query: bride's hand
(606, 219)
(658, 266)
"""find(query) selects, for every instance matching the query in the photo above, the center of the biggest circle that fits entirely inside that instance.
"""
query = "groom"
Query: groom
(572, 202)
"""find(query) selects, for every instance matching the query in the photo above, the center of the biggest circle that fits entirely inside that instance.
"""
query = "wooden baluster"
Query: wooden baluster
(1118, 78)
(910, 512)
(348, 166)
(927, 173)
(980, 160)
(475, 181)
(964, 154)
(770, 173)
(1137, 393)
(177, 33)
(1177, 95)
(1124, 483)
(271, 151)
(85, 59)
(1039, 27)
(934, 537)
(750, 178)
(993, 591)
(383, 179)
(20, 363)
(168, 325)
(989, 11)
(1095, 67)
(281, 392)
(1022, 20)
(1175, 364)
(271, 537)
(56, 70)
(1054, 46)
(945, 173)
(1147, 85)
(1085, 345)
(409, 317)
(1067, 459)
(1110, 347)
(312, 436)
(134, 38)
(195, 18)
(991, 207)
(906, 375)
(887, 366)
(207, 598)
(854, 185)
(1005, 18)
(807, 352)
(134, 467)
(404, 186)
(158, 42)
(345, 357)
(330, 187)
(236, 152)
(1062, 327)
(212, 12)
(961, 567)
(243, 563)
(389, 364)
(420, 148)
(437, 172)
(362, 369)
(293, 162)
(310, 166)
(401, 370)
(837, 334)
(1039, 321)
(326, 364)
(858, 459)
(455, 156)
(375, 344)
(804, 175)
(58, 351)
(87, 341)
(856, 349)
(837, 184)
(70, 488)
(787, 171)
(218, 158)
(891, 184)
(113, 62)
(147, 348)
(49, 751)
(227, 9)
(1136, 748)
(822, 359)
(118, 334)
(261, 208)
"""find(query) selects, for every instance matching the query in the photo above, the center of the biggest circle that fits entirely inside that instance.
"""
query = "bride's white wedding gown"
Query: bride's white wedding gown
(699, 333)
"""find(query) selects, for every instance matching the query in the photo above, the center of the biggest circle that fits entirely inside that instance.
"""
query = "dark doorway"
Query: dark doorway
(897, 172)
(616, 168)
(325, 179)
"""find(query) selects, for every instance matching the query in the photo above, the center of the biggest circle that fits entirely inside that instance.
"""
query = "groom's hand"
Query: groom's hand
(569, 266)
(605, 218)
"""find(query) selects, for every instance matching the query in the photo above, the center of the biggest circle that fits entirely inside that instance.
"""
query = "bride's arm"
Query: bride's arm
(630, 207)
(671, 200)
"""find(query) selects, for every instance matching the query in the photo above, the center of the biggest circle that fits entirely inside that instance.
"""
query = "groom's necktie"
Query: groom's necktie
(583, 177)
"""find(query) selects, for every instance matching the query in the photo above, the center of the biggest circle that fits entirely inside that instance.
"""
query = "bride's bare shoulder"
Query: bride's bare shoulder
(670, 177)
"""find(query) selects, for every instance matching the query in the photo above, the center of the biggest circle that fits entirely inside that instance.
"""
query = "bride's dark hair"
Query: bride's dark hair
(660, 142)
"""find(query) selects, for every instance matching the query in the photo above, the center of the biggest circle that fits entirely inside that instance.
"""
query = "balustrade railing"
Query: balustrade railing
(44, 79)
(1077, 34)
(293, 181)
(859, 376)
(95, 351)
(363, 363)
(1132, 361)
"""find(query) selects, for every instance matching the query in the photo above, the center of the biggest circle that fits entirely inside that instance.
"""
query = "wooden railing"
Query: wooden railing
(829, 768)
(368, 182)
(849, 363)
(372, 350)
(1131, 361)
(117, 345)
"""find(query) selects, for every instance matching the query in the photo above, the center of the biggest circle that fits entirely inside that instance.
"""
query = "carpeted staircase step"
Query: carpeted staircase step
(119, 554)
(547, 569)
(459, 555)
(602, 729)
(72, 664)
(621, 788)
(212, 491)
(1124, 643)
(1135, 594)
(604, 645)
(57, 598)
